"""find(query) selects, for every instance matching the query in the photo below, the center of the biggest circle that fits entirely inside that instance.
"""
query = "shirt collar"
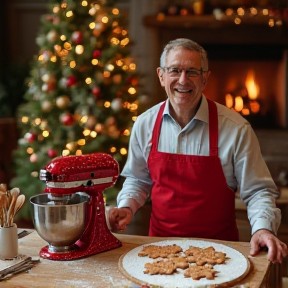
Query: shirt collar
(202, 114)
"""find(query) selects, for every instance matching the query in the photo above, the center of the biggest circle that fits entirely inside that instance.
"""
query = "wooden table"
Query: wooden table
(102, 271)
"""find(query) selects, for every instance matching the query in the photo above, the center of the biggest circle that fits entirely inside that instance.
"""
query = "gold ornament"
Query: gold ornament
(62, 101)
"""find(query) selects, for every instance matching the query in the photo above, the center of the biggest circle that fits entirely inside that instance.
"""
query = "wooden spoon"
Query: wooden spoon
(19, 203)
(14, 195)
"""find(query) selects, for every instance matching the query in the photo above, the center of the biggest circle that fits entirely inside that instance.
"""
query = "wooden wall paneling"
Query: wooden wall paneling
(23, 27)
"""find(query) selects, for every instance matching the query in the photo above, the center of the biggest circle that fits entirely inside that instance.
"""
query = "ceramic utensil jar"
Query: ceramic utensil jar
(8, 242)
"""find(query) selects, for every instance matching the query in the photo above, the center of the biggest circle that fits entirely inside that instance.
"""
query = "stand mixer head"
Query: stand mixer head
(70, 215)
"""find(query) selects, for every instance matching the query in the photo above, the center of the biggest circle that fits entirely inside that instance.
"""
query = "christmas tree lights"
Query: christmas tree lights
(82, 95)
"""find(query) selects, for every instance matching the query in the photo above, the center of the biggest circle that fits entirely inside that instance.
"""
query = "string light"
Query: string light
(30, 150)
(37, 121)
(72, 64)
(93, 134)
(24, 119)
(107, 104)
(86, 132)
(115, 11)
(113, 149)
(78, 152)
(94, 61)
(92, 25)
(65, 152)
(123, 151)
(105, 19)
(45, 133)
(88, 80)
(132, 90)
(81, 142)
(69, 14)
(79, 49)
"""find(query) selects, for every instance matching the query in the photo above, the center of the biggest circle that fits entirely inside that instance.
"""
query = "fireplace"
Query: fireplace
(235, 53)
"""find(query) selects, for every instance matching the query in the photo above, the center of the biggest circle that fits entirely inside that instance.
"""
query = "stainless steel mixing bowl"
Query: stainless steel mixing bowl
(61, 225)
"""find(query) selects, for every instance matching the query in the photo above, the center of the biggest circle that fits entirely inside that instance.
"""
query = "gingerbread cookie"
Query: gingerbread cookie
(203, 256)
(180, 262)
(198, 272)
(163, 267)
(154, 251)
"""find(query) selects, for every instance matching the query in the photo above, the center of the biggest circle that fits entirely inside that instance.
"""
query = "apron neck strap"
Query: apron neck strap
(213, 128)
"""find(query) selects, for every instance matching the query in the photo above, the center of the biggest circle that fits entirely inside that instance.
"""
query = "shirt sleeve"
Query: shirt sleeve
(137, 185)
(257, 188)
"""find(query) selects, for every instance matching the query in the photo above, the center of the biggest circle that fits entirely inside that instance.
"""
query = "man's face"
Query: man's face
(183, 88)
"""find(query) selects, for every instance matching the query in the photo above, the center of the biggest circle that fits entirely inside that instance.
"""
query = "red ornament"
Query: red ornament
(30, 137)
(96, 91)
(96, 54)
(77, 37)
(71, 80)
(67, 119)
(132, 80)
(52, 153)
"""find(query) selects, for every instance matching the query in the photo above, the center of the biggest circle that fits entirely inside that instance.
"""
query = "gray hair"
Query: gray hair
(187, 44)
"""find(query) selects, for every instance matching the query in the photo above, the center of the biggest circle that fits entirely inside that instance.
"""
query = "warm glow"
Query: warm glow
(88, 80)
(238, 103)
(30, 150)
(78, 152)
(255, 107)
(95, 61)
(72, 64)
(92, 25)
(25, 119)
(81, 142)
(252, 88)
(37, 121)
(115, 41)
(105, 19)
(113, 149)
(237, 21)
(93, 134)
(45, 133)
(67, 46)
(123, 151)
(132, 66)
(229, 100)
(126, 132)
(65, 152)
(245, 111)
(69, 14)
(84, 119)
(79, 49)
(132, 90)
(107, 104)
(115, 11)
(240, 11)
(125, 41)
(86, 132)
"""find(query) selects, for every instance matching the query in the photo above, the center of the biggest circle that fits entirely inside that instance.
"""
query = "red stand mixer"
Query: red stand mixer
(73, 206)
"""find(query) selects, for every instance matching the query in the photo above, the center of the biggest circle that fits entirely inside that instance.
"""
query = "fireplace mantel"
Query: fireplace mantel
(206, 29)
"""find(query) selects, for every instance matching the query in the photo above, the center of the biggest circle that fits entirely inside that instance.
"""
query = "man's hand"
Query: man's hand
(262, 239)
(119, 218)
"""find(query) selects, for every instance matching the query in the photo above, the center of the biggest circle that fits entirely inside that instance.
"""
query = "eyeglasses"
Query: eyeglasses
(190, 73)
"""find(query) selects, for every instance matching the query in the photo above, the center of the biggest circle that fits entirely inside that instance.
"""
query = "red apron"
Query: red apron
(190, 196)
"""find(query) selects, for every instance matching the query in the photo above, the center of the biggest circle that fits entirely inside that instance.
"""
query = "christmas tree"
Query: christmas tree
(82, 96)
